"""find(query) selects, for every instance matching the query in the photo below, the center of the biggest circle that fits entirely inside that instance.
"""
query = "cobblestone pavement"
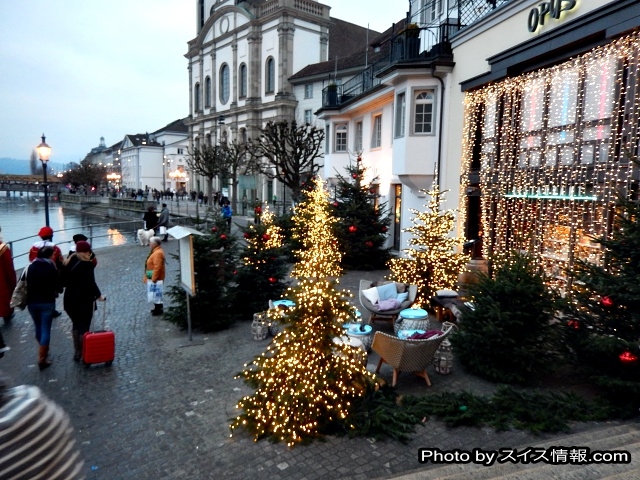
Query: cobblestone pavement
(162, 411)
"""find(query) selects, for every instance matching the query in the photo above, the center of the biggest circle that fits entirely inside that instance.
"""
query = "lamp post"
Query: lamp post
(44, 151)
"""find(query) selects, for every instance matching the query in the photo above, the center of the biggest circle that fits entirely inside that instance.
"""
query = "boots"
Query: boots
(77, 345)
(157, 309)
(43, 361)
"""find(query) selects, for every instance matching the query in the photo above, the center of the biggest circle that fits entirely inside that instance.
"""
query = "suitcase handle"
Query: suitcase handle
(104, 314)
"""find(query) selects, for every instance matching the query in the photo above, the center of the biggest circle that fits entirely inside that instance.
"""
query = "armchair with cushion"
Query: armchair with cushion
(369, 297)
(407, 355)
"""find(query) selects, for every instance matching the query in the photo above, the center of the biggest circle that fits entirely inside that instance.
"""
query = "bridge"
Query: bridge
(28, 183)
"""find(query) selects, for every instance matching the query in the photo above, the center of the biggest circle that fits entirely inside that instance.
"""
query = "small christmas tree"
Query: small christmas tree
(509, 336)
(305, 382)
(361, 227)
(431, 263)
(262, 275)
(215, 259)
(604, 314)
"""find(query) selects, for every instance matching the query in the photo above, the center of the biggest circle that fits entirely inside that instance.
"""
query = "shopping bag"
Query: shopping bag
(154, 291)
(19, 295)
(162, 230)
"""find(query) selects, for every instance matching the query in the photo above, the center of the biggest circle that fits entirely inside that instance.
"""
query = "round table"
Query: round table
(284, 302)
(359, 353)
(412, 319)
(353, 330)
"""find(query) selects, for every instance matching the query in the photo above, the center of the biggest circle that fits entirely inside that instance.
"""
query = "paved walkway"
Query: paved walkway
(162, 411)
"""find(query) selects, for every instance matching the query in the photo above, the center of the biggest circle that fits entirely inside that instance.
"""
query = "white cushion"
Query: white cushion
(446, 293)
(387, 291)
(402, 296)
(371, 294)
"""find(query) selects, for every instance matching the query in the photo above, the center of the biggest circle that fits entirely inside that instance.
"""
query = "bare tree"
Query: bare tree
(209, 161)
(86, 174)
(237, 162)
(287, 152)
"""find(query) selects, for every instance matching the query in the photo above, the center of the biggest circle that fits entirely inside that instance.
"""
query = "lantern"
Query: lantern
(260, 326)
(444, 358)
(628, 357)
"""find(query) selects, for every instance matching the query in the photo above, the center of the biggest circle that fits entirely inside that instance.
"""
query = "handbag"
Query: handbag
(19, 295)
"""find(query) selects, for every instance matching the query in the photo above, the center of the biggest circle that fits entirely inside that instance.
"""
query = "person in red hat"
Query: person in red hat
(46, 234)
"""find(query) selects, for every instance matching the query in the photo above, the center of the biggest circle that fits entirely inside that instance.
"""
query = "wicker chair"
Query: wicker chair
(407, 355)
(388, 315)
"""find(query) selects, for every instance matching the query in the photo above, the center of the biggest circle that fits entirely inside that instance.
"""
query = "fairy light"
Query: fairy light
(304, 380)
(551, 162)
(257, 244)
(431, 261)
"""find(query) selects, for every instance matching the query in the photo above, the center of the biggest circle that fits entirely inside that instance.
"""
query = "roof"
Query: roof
(175, 126)
(356, 59)
(140, 139)
(346, 38)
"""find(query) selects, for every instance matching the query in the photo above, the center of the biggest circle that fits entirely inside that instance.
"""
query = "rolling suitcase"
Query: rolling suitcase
(99, 346)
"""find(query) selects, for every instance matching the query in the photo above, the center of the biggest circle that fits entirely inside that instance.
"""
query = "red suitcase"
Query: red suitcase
(99, 346)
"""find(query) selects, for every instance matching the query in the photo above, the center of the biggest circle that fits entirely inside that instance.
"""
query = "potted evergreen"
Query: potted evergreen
(332, 95)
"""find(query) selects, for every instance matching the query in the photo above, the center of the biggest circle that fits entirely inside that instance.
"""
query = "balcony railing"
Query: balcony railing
(405, 47)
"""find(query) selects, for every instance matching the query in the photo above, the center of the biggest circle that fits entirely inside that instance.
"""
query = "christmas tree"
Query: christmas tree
(306, 382)
(509, 335)
(604, 315)
(262, 275)
(215, 258)
(431, 262)
(361, 227)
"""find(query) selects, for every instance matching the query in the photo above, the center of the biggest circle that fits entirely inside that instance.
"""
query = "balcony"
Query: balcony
(404, 47)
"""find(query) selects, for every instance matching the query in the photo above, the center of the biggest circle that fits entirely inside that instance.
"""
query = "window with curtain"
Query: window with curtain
(341, 138)
(224, 83)
(376, 135)
(423, 119)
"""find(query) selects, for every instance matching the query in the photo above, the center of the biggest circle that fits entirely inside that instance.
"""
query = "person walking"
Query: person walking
(163, 223)
(78, 237)
(80, 294)
(150, 218)
(8, 280)
(46, 234)
(257, 213)
(227, 213)
(44, 286)
(154, 272)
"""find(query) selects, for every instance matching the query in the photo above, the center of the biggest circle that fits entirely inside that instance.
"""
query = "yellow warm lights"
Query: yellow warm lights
(551, 148)
(305, 380)
(431, 262)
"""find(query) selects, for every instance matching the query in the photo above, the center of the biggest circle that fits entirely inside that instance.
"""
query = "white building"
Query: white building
(240, 63)
(524, 109)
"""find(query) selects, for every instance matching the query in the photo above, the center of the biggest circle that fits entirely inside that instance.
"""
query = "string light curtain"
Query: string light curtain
(553, 150)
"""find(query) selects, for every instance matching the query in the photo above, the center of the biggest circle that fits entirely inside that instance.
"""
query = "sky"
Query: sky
(78, 70)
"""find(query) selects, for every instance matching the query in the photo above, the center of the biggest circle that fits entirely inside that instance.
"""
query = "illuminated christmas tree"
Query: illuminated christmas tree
(262, 275)
(431, 262)
(362, 224)
(305, 382)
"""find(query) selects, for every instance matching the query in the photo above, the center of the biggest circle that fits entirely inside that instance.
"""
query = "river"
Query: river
(21, 218)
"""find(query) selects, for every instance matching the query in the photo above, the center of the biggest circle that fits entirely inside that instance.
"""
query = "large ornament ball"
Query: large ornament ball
(353, 228)
(214, 229)
(223, 237)
(607, 302)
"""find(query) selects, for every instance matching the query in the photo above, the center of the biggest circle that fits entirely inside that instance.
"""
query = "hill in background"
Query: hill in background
(21, 167)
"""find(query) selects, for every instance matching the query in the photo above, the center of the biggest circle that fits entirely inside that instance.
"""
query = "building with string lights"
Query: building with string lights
(526, 112)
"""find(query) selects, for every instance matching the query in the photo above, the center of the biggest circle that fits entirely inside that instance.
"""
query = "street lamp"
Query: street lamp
(44, 151)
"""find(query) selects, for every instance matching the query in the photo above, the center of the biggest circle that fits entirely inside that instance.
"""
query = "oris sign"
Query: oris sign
(549, 9)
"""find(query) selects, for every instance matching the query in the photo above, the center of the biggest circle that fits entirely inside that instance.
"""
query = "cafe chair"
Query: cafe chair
(407, 355)
(388, 315)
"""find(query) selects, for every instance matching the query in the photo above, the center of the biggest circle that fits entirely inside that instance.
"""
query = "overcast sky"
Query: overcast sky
(79, 70)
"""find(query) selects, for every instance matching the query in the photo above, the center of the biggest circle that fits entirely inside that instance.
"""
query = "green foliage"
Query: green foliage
(509, 336)
(261, 276)
(605, 309)
(212, 306)
(362, 226)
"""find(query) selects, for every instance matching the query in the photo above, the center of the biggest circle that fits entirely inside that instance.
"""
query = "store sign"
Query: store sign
(550, 9)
